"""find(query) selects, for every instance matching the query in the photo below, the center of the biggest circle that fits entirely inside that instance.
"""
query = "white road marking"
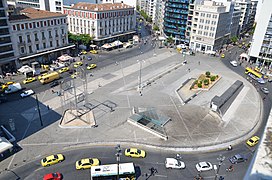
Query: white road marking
(158, 175)
(11, 161)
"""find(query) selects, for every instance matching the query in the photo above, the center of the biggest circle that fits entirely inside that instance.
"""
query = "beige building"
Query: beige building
(39, 35)
(211, 25)
(104, 22)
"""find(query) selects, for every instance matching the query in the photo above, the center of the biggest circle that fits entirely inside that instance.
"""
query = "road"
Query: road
(154, 158)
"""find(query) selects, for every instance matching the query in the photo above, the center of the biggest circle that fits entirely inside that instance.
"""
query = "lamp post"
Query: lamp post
(140, 76)
(118, 154)
(220, 159)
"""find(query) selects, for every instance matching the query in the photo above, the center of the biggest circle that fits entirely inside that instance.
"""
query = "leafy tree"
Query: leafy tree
(234, 39)
(170, 39)
(213, 78)
(208, 73)
(137, 8)
(85, 39)
(156, 28)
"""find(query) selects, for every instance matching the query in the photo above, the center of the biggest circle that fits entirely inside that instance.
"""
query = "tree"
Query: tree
(170, 39)
(73, 38)
(234, 39)
(137, 8)
(85, 39)
(156, 28)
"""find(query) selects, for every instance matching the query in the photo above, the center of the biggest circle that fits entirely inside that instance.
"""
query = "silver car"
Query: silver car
(265, 90)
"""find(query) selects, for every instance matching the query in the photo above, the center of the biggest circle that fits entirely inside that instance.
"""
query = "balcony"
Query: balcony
(176, 11)
(172, 5)
(176, 16)
(175, 21)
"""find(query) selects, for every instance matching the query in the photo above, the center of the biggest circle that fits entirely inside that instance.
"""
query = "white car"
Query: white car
(27, 93)
(204, 166)
(265, 90)
(234, 63)
(172, 163)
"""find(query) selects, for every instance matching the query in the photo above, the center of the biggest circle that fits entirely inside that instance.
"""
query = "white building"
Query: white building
(261, 48)
(39, 35)
(211, 25)
(105, 22)
(245, 8)
(132, 3)
(47, 5)
(150, 7)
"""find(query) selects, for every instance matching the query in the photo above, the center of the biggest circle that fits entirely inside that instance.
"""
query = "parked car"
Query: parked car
(62, 70)
(135, 153)
(87, 163)
(264, 90)
(89, 58)
(52, 159)
(53, 176)
(204, 166)
(77, 64)
(237, 159)
(73, 76)
(253, 141)
(261, 80)
(4, 86)
(93, 51)
(27, 93)
(172, 163)
(234, 63)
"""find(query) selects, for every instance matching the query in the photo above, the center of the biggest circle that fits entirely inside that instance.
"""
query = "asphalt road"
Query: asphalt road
(154, 158)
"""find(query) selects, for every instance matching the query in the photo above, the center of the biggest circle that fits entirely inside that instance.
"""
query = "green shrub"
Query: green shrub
(199, 85)
(206, 82)
(213, 78)
(196, 81)
(207, 73)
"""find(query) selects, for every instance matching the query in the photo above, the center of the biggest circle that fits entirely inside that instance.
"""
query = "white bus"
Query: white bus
(109, 172)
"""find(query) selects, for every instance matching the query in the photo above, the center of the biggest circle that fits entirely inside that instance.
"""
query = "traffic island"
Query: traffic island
(73, 118)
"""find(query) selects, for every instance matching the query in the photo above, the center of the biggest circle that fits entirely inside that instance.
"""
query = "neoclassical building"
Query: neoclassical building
(39, 35)
(105, 22)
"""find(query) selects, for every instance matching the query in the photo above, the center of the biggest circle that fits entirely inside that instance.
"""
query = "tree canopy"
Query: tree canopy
(81, 38)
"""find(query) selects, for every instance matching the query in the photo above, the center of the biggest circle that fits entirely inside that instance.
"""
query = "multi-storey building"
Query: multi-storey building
(159, 16)
(150, 7)
(261, 48)
(48, 5)
(104, 22)
(175, 19)
(7, 59)
(212, 24)
(253, 11)
(245, 8)
(39, 35)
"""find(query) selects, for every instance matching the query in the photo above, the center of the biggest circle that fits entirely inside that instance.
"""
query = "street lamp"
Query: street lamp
(39, 111)
(220, 159)
(118, 154)
(140, 76)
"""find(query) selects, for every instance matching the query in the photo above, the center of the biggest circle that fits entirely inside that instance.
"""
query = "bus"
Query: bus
(47, 78)
(252, 73)
(109, 172)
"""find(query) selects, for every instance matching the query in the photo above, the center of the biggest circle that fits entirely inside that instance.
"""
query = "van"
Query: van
(49, 77)
(172, 163)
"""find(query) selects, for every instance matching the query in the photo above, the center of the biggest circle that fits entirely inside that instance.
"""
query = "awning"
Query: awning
(244, 55)
(65, 57)
(210, 52)
(132, 32)
(4, 144)
(46, 52)
(25, 68)
(106, 46)
(92, 45)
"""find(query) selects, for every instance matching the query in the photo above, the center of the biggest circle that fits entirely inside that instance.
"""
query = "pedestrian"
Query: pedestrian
(198, 62)
(52, 91)
(48, 108)
(264, 98)
(189, 70)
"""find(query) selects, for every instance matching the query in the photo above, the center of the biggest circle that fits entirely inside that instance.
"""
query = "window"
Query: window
(214, 16)
(26, 25)
(43, 37)
(199, 32)
(44, 23)
(213, 22)
(208, 15)
(36, 37)
(14, 28)
(30, 49)
(202, 14)
(22, 26)
(211, 34)
(44, 45)
(30, 25)
(206, 28)
(38, 24)
(28, 39)
(34, 25)
(205, 33)
(50, 34)
(22, 50)
(207, 21)
(20, 39)
(18, 27)
(51, 44)
(57, 42)
(37, 47)
(56, 33)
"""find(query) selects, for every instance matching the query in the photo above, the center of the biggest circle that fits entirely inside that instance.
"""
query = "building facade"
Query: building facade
(175, 19)
(47, 5)
(104, 22)
(7, 58)
(245, 8)
(211, 25)
(261, 48)
(39, 35)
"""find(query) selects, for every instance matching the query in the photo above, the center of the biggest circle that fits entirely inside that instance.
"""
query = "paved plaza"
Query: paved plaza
(192, 127)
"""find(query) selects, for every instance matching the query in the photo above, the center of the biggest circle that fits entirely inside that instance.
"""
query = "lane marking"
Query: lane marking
(11, 161)
(158, 175)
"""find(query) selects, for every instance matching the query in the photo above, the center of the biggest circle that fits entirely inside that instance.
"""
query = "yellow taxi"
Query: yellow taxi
(77, 64)
(253, 141)
(41, 76)
(4, 86)
(87, 163)
(83, 52)
(73, 76)
(29, 80)
(91, 66)
(51, 160)
(62, 70)
(93, 51)
(135, 153)
(222, 55)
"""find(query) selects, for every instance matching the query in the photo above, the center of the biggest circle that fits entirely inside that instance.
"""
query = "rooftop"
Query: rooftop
(100, 7)
(30, 13)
